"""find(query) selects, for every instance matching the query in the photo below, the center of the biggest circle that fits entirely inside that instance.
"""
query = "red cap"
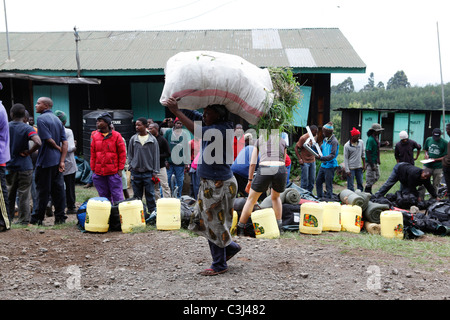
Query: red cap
(354, 132)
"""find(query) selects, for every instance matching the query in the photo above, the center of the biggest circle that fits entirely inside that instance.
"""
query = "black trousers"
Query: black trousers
(49, 182)
(69, 181)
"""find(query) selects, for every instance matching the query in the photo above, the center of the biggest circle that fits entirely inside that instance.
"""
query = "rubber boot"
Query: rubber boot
(368, 189)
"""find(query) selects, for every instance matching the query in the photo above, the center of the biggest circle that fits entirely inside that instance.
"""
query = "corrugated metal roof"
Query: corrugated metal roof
(301, 49)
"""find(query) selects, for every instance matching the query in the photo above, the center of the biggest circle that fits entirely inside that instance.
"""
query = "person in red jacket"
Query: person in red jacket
(108, 157)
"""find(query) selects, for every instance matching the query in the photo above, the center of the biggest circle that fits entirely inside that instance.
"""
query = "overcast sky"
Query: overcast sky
(389, 35)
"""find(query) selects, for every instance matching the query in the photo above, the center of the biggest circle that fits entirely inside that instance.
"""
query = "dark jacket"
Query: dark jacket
(404, 151)
(164, 150)
(143, 158)
(222, 169)
(409, 176)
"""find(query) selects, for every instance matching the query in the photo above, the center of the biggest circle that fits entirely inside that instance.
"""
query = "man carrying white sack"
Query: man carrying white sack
(213, 211)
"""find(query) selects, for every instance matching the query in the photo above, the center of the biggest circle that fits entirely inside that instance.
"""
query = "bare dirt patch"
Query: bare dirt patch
(67, 264)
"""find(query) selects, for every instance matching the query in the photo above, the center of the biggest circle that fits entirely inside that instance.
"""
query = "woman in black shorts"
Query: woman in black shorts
(271, 172)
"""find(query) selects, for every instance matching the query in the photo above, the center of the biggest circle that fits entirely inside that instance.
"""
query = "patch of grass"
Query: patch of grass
(418, 252)
(67, 225)
(435, 251)
(83, 194)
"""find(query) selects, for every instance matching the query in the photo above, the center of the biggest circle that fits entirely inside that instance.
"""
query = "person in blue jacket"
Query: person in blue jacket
(242, 163)
(330, 150)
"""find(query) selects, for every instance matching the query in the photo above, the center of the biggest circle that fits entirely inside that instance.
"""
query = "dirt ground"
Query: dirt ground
(67, 264)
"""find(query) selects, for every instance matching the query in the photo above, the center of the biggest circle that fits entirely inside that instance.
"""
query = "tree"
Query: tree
(380, 85)
(399, 80)
(345, 86)
(370, 86)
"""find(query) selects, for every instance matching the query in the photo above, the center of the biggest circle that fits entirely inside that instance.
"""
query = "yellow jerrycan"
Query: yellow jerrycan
(351, 218)
(168, 214)
(391, 223)
(331, 216)
(265, 224)
(98, 211)
(131, 215)
(311, 218)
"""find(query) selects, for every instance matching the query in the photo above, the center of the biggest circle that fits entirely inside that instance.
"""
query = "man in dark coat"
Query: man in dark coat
(410, 177)
(404, 149)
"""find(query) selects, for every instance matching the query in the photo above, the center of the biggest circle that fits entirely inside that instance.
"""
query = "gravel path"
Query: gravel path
(66, 264)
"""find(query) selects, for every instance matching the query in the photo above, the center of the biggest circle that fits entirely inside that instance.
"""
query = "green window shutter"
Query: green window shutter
(417, 127)
(302, 112)
(368, 118)
(58, 93)
(145, 100)
(444, 131)
(401, 123)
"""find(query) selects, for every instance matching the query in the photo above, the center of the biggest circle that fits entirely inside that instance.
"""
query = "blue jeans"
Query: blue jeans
(195, 183)
(358, 173)
(142, 182)
(288, 174)
(178, 171)
(325, 175)
(308, 175)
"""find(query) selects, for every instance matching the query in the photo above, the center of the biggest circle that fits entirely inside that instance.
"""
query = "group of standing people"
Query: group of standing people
(38, 161)
(146, 156)
(153, 158)
(360, 157)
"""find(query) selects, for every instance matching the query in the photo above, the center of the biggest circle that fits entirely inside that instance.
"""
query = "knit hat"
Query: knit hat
(403, 135)
(329, 126)
(354, 132)
(105, 116)
(61, 115)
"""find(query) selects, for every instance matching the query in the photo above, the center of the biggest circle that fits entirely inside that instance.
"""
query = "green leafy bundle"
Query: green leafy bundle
(287, 96)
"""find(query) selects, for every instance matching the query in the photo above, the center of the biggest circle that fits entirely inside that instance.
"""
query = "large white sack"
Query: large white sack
(202, 78)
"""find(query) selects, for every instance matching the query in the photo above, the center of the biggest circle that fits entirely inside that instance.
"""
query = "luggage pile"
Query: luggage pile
(354, 211)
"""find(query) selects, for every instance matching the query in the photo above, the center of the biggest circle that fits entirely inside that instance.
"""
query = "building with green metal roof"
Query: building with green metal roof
(125, 70)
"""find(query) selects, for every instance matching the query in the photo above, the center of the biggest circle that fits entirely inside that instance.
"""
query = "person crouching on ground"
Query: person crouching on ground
(410, 177)
(213, 211)
(143, 158)
(108, 157)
